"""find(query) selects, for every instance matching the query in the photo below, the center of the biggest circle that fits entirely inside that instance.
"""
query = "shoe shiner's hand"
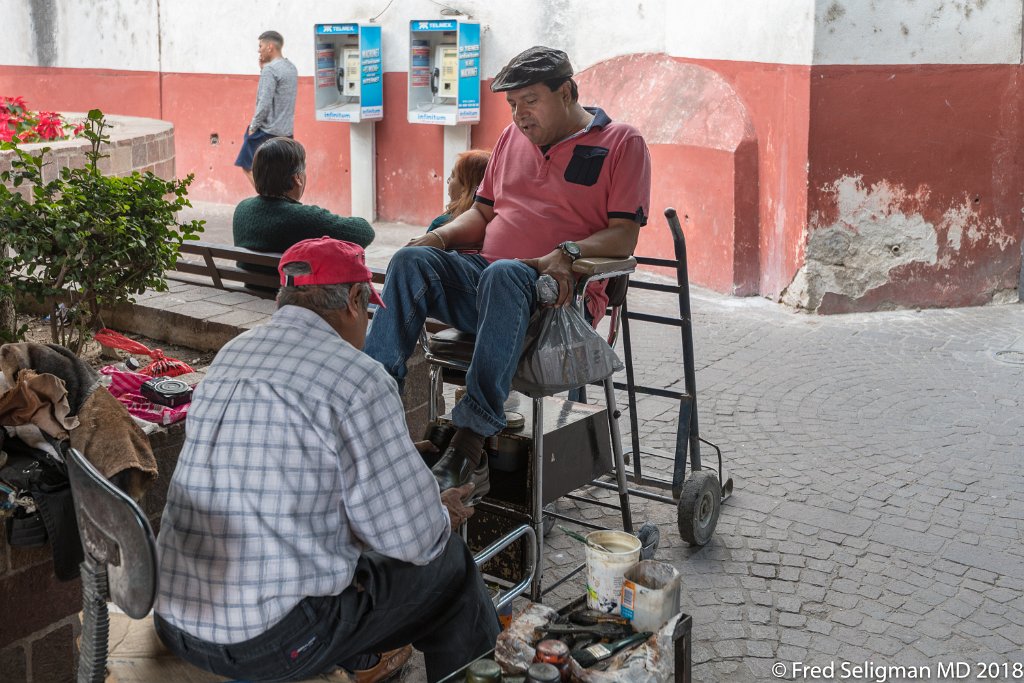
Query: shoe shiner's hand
(453, 500)
(425, 447)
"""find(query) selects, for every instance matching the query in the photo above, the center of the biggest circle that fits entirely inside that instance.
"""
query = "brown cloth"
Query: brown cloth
(106, 434)
(112, 442)
(37, 399)
(79, 378)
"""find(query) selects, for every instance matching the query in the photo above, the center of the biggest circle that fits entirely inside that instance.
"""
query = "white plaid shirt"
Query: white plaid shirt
(297, 458)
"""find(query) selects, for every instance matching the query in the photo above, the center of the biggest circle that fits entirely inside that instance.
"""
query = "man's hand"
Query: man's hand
(430, 239)
(454, 501)
(558, 265)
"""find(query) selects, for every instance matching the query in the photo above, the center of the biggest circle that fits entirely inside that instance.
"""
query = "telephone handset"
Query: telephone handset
(349, 73)
(444, 79)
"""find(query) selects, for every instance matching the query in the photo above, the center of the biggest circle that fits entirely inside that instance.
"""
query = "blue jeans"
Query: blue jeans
(493, 300)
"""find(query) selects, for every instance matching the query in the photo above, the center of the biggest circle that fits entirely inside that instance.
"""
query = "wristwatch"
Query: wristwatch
(571, 249)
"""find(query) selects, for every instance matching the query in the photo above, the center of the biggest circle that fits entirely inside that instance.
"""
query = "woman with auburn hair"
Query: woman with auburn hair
(462, 183)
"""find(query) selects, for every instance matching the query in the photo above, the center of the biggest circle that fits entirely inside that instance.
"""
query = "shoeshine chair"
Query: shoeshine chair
(449, 354)
(120, 560)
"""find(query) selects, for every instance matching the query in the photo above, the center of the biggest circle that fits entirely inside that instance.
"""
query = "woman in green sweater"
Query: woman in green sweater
(274, 220)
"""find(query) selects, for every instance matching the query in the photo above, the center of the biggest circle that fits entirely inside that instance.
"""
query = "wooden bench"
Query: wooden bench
(206, 271)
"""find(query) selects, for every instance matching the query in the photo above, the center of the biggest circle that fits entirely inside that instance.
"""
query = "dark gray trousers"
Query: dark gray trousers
(442, 608)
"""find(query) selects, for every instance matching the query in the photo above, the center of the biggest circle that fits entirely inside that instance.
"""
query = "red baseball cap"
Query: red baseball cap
(332, 262)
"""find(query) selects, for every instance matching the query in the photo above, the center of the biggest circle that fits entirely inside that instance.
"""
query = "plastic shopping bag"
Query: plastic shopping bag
(161, 365)
(562, 351)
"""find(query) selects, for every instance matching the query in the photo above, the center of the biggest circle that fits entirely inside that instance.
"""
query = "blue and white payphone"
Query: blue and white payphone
(444, 71)
(349, 81)
(349, 88)
(444, 81)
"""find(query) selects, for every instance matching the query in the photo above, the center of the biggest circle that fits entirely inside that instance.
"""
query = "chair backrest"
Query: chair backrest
(114, 533)
(616, 290)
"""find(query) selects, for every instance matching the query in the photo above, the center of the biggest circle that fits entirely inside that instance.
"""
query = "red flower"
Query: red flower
(13, 104)
(8, 124)
(19, 124)
(50, 126)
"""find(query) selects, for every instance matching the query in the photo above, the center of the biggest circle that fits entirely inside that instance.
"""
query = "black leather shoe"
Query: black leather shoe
(440, 435)
(454, 470)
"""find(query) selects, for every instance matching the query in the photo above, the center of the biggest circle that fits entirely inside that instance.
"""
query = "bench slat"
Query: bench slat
(228, 273)
(217, 282)
(221, 275)
(228, 251)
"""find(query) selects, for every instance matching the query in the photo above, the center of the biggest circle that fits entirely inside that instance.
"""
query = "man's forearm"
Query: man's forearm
(618, 240)
(466, 230)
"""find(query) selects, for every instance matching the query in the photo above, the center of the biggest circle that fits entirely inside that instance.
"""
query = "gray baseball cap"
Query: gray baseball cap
(534, 65)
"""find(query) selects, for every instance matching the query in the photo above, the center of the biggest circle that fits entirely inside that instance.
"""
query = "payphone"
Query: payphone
(349, 88)
(445, 77)
(349, 73)
(444, 72)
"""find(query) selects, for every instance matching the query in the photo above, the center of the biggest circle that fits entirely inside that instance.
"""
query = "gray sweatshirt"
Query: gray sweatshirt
(275, 99)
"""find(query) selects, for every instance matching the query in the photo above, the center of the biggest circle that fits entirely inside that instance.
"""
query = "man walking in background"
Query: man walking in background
(275, 100)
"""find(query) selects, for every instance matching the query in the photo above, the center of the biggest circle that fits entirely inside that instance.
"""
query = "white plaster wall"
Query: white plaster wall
(112, 34)
(607, 28)
(771, 31)
(15, 34)
(219, 36)
(918, 32)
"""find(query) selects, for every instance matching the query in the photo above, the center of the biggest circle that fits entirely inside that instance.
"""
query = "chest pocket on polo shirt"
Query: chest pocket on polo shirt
(585, 166)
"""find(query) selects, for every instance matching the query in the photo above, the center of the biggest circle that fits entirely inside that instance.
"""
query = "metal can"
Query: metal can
(543, 673)
(555, 653)
(483, 671)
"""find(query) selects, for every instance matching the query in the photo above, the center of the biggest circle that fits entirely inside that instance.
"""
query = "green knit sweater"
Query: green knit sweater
(273, 224)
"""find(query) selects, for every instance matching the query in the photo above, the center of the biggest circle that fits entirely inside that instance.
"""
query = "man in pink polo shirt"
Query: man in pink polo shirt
(563, 182)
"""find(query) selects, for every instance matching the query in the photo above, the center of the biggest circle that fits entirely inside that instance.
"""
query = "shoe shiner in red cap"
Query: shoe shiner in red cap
(563, 181)
(302, 529)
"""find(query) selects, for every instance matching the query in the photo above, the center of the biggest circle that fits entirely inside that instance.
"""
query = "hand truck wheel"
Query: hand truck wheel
(699, 504)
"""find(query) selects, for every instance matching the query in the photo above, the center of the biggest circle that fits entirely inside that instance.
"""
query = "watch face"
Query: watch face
(572, 249)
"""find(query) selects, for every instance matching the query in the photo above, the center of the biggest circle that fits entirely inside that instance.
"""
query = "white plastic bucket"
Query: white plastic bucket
(650, 595)
(605, 570)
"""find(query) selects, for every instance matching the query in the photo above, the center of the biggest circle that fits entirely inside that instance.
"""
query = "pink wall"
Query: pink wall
(777, 99)
(701, 182)
(939, 142)
(132, 93)
(939, 145)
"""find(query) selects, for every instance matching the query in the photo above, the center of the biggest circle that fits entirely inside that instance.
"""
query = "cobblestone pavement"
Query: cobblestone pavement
(878, 515)
(879, 509)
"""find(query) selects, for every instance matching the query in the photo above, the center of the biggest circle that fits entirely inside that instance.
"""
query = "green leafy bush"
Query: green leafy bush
(84, 241)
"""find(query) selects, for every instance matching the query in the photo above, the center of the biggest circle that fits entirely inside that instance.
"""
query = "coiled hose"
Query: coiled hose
(92, 659)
